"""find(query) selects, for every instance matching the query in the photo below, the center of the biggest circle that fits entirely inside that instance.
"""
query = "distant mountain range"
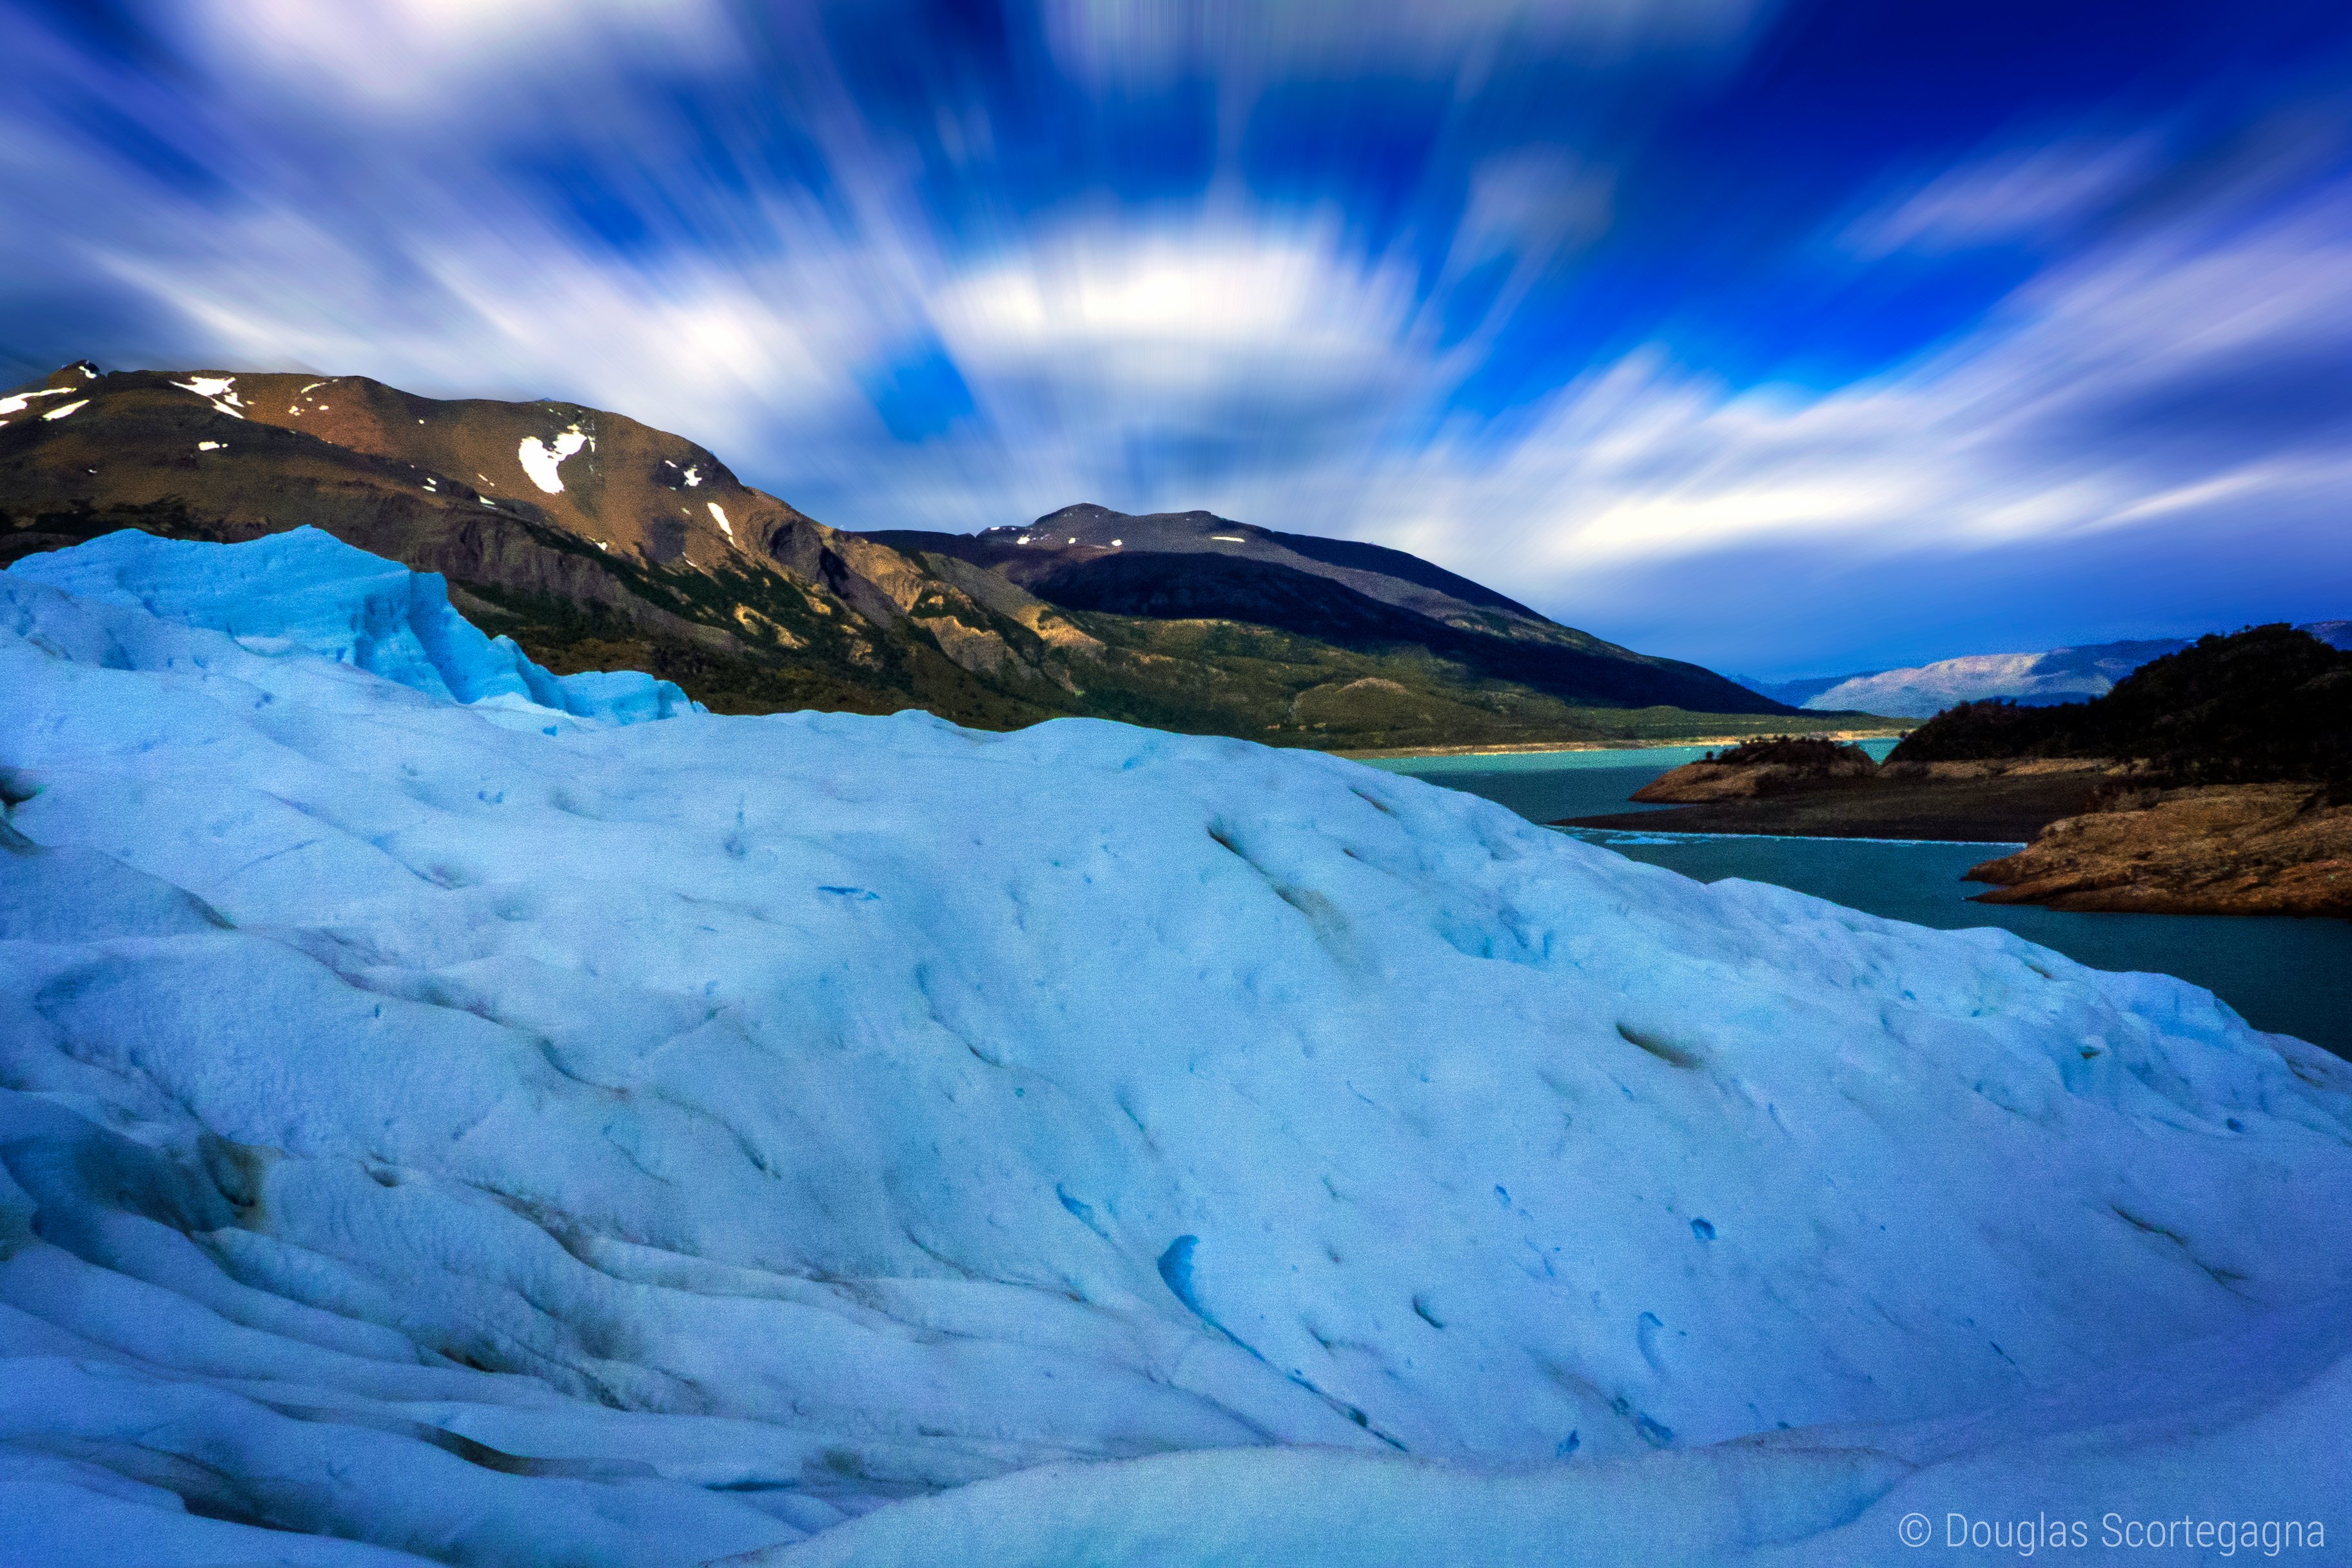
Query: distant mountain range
(2031, 679)
(599, 543)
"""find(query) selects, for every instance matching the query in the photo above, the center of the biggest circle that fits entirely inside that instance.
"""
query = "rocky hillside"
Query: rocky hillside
(1779, 765)
(2233, 791)
(596, 541)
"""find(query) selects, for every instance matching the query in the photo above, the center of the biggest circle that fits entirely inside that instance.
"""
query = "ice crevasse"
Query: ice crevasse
(445, 1121)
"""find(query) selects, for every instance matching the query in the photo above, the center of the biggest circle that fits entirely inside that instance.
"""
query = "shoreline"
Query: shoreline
(1995, 810)
(1528, 748)
(1579, 827)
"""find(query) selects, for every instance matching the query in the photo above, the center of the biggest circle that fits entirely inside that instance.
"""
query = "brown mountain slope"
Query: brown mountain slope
(647, 551)
(598, 541)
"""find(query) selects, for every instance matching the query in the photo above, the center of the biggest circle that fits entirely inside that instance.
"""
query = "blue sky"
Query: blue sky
(1789, 338)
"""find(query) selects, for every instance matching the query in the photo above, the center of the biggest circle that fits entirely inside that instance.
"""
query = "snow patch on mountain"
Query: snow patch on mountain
(541, 459)
(220, 391)
(432, 1137)
(16, 402)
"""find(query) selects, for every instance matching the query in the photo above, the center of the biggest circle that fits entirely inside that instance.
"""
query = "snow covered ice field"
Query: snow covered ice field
(454, 1115)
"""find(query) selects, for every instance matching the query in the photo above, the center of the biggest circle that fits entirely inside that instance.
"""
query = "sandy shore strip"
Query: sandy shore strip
(1527, 748)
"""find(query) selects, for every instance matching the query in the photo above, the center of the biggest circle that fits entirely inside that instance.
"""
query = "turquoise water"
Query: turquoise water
(2291, 976)
(1544, 786)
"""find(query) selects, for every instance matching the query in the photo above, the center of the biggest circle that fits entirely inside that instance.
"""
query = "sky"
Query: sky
(1788, 338)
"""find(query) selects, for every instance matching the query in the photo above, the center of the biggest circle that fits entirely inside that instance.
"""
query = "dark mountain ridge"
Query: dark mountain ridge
(1087, 531)
(1198, 587)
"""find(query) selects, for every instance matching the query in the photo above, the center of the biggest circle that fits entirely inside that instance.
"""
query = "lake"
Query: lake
(2280, 973)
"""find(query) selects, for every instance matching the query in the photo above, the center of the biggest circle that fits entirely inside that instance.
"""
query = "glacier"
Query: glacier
(450, 1113)
(307, 592)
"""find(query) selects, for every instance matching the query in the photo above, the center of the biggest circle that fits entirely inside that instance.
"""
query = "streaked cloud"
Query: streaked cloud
(1585, 299)
(1126, 40)
(2031, 195)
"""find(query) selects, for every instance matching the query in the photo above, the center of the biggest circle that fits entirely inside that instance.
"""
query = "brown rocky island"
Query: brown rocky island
(2215, 780)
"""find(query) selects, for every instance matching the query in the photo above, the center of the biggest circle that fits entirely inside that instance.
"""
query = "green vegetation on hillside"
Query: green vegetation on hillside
(1216, 676)
(1803, 751)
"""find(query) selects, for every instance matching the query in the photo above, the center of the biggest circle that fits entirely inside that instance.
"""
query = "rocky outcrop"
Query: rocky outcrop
(2220, 849)
(1778, 766)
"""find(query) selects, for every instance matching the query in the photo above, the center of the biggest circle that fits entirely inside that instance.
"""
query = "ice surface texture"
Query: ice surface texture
(640, 1143)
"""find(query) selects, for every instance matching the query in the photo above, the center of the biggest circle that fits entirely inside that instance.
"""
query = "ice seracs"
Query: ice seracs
(306, 594)
(882, 1141)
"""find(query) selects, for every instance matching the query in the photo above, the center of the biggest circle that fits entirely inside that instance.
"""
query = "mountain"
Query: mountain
(2060, 675)
(1064, 544)
(2031, 680)
(592, 539)
(427, 1138)
(1197, 567)
(1798, 692)
(596, 541)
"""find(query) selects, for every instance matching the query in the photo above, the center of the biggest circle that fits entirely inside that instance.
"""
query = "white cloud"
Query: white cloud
(1170, 367)
(414, 56)
(462, 307)
(1202, 310)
